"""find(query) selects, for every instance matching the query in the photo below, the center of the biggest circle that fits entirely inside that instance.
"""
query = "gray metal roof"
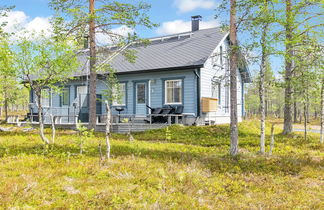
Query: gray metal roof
(183, 50)
(175, 51)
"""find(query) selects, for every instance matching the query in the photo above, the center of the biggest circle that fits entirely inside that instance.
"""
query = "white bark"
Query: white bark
(41, 120)
(272, 140)
(305, 121)
(108, 123)
(53, 128)
(262, 90)
(322, 113)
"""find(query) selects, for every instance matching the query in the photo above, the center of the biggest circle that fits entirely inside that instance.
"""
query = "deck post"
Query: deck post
(169, 119)
(176, 120)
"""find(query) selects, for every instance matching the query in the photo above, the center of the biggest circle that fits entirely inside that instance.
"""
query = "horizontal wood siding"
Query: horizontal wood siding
(208, 72)
(155, 81)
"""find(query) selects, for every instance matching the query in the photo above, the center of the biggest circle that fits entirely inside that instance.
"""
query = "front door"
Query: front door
(140, 98)
(82, 103)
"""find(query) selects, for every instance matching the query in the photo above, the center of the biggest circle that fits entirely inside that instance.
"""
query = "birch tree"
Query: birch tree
(45, 63)
(8, 83)
(322, 111)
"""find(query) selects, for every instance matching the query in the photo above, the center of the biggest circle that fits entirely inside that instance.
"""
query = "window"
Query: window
(140, 93)
(65, 97)
(173, 91)
(45, 97)
(216, 91)
(119, 96)
(82, 96)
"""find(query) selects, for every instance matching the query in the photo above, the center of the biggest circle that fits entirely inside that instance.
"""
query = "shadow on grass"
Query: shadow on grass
(284, 164)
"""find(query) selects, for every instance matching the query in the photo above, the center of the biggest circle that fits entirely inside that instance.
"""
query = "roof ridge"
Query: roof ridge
(182, 33)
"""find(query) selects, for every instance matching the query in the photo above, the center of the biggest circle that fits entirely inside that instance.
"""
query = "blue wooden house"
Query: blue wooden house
(187, 69)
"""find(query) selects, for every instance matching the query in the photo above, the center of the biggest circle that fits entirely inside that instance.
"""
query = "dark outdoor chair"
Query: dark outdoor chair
(35, 117)
(165, 112)
(155, 111)
(178, 111)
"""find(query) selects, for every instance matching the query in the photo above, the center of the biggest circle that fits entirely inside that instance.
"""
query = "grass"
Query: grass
(191, 170)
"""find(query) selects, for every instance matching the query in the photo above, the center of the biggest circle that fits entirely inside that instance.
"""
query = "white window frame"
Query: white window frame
(166, 91)
(219, 91)
(83, 91)
(62, 96)
(123, 92)
(47, 98)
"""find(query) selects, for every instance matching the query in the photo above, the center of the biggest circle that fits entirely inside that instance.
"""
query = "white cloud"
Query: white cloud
(22, 25)
(104, 39)
(39, 25)
(190, 5)
(178, 26)
(14, 21)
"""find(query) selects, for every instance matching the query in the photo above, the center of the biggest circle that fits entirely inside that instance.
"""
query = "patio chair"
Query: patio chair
(154, 111)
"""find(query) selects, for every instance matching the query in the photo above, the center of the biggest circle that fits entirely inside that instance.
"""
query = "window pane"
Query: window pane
(119, 96)
(141, 93)
(45, 100)
(65, 97)
(177, 95)
(82, 95)
(173, 91)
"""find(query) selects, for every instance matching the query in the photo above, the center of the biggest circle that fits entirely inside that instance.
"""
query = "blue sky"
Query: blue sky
(172, 15)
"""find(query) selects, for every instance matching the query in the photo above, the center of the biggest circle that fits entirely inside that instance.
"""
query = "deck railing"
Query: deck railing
(68, 115)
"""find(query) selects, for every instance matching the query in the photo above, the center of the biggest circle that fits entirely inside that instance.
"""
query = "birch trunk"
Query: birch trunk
(6, 108)
(233, 78)
(322, 112)
(262, 90)
(271, 140)
(41, 120)
(107, 133)
(93, 74)
(53, 128)
(295, 112)
(288, 69)
(305, 121)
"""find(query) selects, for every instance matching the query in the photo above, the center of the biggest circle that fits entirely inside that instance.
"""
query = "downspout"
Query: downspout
(197, 73)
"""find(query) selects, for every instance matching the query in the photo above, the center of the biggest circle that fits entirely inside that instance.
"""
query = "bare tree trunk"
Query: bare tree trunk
(108, 122)
(262, 90)
(53, 128)
(233, 80)
(41, 120)
(93, 74)
(266, 106)
(322, 112)
(6, 107)
(295, 112)
(271, 139)
(305, 121)
(288, 70)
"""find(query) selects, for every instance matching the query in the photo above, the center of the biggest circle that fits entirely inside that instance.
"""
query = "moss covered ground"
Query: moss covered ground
(191, 169)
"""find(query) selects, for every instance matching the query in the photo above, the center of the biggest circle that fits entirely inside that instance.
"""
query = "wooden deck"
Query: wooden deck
(121, 123)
